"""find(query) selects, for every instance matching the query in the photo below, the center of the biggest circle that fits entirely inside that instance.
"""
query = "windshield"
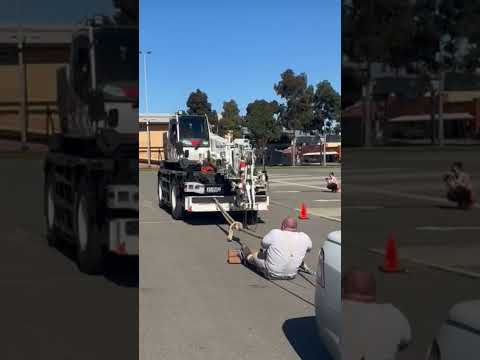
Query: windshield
(193, 127)
(116, 52)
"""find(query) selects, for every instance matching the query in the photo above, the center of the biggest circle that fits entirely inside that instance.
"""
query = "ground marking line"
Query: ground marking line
(328, 200)
(447, 228)
(366, 207)
(294, 184)
(451, 269)
(286, 191)
(157, 222)
(296, 209)
(405, 195)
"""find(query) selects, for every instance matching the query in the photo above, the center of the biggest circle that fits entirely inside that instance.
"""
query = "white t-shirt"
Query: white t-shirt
(285, 251)
(372, 331)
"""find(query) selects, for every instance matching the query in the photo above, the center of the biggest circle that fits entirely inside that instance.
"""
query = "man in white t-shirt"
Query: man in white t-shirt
(282, 251)
(370, 330)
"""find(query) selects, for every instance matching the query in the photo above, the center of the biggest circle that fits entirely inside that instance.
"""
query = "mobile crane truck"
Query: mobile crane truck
(91, 169)
(203, 170)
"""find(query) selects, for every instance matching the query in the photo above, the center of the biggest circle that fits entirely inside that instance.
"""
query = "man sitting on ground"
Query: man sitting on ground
(370, 330)
(332, 183)
(282, 251)
(459, 186)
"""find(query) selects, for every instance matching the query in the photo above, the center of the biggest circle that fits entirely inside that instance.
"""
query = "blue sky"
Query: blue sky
(235, 49)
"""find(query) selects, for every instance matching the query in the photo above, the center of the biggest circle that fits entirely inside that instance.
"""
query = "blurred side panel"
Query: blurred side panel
(69, 183)
(411, 169)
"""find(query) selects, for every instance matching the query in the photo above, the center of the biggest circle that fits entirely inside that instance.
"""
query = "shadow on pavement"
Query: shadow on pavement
(302, 335)
(214, 219)
(120, 270)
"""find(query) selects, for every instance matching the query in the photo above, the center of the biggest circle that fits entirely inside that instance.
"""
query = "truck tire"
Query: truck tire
(90, 252)
(50, 210)
(160, 193)
(178, 213)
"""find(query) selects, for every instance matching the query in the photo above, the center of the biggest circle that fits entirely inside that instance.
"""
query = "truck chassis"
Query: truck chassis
(89, 204)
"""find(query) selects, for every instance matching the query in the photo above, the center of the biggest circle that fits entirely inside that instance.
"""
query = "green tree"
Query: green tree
(446, 39)
(198, 104)
(127, 11)
(297, 113)
(376, 31)
(231, 119)
(327, 105)
(262, 123)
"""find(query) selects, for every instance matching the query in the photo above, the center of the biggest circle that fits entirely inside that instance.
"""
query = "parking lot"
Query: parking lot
(400, 192)
(194, 305)
(49, 309)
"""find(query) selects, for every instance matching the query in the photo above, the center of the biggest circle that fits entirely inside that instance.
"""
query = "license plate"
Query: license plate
(214, 189)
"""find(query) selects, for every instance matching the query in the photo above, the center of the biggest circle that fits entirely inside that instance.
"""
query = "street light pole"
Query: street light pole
(145, 76)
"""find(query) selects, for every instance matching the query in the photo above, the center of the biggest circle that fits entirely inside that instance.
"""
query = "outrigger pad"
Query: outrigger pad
(234, 256)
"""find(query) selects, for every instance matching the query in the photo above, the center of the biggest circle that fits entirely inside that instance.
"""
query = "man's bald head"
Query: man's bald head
(359, 285)
(289, 224)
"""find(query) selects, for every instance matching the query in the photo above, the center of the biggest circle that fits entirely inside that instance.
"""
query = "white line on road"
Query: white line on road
(365, 207)
(296, 184)
(286, 191)
(297, 209)
(402, 194)
(446, 268)
(447, 228)
(158, 222)
(328, 200)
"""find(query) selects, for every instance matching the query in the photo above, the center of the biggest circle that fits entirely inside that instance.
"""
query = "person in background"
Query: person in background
(371, 330)
(282, 251)
(459, 186)
(332, 183)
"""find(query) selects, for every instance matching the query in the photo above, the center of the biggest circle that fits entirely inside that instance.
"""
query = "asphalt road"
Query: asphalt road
(50, 310)
(193, 305)
(400, 192)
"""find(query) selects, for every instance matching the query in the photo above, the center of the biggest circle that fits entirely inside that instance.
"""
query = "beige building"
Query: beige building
(29, 59)
(153, 129)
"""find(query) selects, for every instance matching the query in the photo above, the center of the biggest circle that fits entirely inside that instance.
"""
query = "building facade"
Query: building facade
(29, 59)
(151, 137)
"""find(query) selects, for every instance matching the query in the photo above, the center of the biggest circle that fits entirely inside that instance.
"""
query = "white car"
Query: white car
(459, 336)
(328, 307)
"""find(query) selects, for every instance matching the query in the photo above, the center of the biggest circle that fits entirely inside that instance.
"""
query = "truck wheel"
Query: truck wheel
(176, 201)
(50, 209)
(161, 196)
(90, 254)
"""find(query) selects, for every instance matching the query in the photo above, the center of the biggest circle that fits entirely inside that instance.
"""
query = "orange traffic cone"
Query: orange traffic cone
(303, 212)
(391, 262)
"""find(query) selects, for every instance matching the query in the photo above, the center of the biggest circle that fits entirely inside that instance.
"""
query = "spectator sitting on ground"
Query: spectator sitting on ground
(371, 330)
(459, 186)
(332, 183)
(282, 251)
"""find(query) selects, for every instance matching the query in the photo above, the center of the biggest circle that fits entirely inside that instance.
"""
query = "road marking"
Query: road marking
(328, 200)
(297, 209)
(286, 191)
(447, 228)
(147, 204)
(446, 268)
(404, 195)
(363, 207)
(296, 184)
(157, 222)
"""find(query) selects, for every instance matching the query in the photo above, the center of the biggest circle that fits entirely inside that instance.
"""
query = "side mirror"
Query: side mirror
(112, 118)
(96, 106)
(186, 154)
